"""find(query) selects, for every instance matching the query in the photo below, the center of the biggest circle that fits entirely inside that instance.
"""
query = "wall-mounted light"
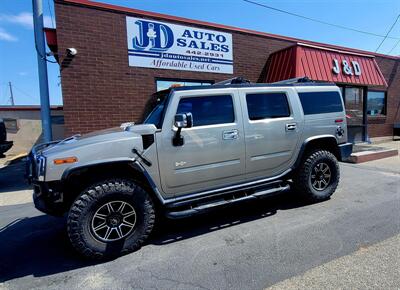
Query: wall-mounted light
(72, 51)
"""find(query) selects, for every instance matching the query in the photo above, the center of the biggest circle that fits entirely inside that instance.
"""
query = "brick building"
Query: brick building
(124, 55)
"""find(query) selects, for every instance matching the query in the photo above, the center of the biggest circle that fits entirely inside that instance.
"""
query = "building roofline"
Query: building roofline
(105, 6)
(336, 50)
(28, 108)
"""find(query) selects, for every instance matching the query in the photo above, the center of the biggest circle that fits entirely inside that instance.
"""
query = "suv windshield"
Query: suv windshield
(154, 108)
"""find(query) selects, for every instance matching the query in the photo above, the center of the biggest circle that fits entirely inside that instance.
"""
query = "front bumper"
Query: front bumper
(5, 146)
(48, 197)
(345, 150)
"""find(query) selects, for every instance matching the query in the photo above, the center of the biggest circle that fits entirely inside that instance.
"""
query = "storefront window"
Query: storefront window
(376, 103)
(167, 83)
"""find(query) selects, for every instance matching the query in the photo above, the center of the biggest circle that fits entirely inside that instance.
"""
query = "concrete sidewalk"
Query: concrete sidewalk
(391, 164)
(388, 144)
(12, 158)
(364, 152)
(14, 189)
(371, 267)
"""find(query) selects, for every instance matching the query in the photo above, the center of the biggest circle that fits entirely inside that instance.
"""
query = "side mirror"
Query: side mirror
(181, 121)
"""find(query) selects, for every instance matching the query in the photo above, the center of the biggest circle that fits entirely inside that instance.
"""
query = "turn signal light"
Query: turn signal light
(65, 160)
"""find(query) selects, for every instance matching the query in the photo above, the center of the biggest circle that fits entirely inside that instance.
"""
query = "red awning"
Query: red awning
(324, 64)
(51, 39)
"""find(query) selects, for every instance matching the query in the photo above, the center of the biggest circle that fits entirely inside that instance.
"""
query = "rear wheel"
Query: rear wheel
(110, 218)
(318, 176)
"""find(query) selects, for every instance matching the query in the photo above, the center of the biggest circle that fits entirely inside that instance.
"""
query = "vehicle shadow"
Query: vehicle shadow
(39, 245)
(12, 177)
(36, 246)
(169, 231)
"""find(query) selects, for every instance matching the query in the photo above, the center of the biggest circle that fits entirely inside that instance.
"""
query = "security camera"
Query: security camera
(72, 51)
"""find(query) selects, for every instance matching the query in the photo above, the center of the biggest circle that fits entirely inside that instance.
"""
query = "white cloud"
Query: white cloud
(4, 35)
(24, 19)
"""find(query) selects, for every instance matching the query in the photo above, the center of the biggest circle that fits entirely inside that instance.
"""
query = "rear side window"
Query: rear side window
(321, 102)
(208, 110)
(267, 105)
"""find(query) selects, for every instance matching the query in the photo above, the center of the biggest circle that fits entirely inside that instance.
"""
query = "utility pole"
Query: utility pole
(37, 6)
(11, 94)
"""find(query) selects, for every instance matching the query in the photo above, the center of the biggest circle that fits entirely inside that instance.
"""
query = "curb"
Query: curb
(366, 156)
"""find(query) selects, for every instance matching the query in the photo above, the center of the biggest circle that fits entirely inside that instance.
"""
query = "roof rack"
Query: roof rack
(242, 80)
(233, 81)
(294, 81)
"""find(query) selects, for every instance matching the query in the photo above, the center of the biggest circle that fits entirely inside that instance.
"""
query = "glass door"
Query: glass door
(355, 113)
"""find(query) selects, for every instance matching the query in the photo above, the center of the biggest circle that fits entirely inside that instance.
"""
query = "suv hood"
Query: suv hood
(125, 131)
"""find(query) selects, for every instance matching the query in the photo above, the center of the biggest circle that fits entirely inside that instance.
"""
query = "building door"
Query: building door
(355, 112)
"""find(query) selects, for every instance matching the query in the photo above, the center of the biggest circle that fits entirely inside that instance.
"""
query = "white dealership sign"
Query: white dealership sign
(163, 45)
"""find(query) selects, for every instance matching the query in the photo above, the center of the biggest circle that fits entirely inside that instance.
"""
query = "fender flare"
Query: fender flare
(306, 142)
(133, 163)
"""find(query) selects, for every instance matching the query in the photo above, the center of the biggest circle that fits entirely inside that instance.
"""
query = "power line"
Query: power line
(394, 46)
(320, 21)
(391, 27)
(8, 96)
(21, 91)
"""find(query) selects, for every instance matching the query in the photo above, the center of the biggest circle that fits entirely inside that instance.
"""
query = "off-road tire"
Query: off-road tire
(79, 222)
(302, 178)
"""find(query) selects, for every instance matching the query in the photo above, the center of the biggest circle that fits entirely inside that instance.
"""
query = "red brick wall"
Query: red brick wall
(101, 90)
(383, 126)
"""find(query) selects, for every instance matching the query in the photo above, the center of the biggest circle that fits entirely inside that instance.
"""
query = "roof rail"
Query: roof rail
(233, 81)
(294, 81)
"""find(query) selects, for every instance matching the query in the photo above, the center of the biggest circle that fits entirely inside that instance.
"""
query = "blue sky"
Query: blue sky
(18, 62)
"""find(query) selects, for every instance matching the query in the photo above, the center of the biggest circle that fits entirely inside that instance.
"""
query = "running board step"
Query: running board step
(226, 202)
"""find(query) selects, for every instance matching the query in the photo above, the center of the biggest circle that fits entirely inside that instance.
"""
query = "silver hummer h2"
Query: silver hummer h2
(197, 149)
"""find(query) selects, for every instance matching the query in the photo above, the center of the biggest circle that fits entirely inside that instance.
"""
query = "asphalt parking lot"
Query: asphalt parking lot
(280, 242)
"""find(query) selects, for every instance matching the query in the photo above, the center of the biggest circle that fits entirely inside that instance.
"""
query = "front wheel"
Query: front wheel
(110, 218)
(318, 176)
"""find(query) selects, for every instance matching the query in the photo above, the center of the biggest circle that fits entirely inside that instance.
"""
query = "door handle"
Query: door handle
(230, 135)
(291, 127)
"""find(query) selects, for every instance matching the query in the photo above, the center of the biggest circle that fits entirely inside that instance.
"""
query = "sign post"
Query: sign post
(42, 69)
